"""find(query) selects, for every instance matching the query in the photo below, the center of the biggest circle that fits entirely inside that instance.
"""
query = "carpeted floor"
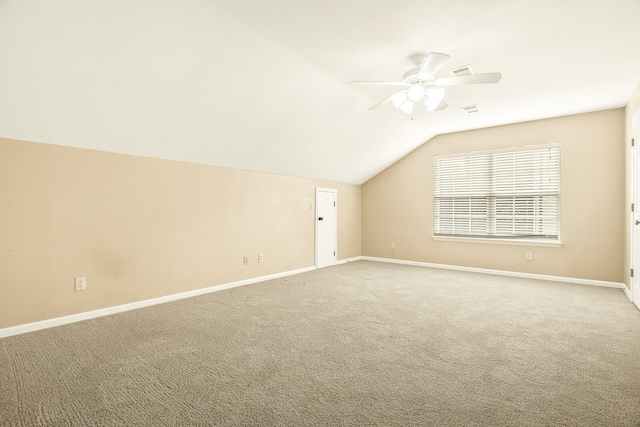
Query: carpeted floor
(361, 344)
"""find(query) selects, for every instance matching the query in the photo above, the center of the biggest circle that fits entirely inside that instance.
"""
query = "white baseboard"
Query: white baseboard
(501, 272)
(58, 321)
(345, 261)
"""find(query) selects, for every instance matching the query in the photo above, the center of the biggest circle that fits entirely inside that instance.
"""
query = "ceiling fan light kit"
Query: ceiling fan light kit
(415, 92)
(399, 98)
(423, 86)
(436, 95)
(407, 107)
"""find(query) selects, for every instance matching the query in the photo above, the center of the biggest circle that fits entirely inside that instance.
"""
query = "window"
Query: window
(508, 194)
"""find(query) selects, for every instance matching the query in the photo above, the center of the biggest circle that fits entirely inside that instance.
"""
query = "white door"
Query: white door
(326, 222)
(635, 244)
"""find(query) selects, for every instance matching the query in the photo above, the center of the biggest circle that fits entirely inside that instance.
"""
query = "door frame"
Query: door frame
(635, 214)
(335, 223)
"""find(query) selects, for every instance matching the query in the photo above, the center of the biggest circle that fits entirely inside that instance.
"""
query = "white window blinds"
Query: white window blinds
(509, 194)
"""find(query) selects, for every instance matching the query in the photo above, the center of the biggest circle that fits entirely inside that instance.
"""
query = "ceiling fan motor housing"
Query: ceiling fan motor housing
(413, 76)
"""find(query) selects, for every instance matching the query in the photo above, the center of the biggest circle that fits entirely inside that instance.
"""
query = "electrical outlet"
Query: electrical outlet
(261, 258)
(528, 256)
(245, 260)
(81, 283)
(393, 245)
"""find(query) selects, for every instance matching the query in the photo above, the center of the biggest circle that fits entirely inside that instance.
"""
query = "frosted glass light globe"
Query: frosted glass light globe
(399, 98)
(434, 99)
(407, 107)
(415, 92)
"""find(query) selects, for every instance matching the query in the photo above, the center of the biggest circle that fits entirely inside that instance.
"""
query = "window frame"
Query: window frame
(508, 240)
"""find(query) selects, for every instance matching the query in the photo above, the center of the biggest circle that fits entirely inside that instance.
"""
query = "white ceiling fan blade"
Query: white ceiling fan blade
(432, 63)
(381, 103)
(471, 79)
(379, 83)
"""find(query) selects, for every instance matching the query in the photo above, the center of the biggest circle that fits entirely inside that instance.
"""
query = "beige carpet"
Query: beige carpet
(361, 344)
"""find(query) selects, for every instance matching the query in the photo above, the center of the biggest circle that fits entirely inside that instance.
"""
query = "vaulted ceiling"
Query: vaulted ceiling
(263, 85)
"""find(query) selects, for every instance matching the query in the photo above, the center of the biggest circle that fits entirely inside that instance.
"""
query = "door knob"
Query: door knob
(637, 222)
(320, 219)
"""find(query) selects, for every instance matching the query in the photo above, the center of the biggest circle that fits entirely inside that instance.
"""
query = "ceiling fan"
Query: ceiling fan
(423, 87)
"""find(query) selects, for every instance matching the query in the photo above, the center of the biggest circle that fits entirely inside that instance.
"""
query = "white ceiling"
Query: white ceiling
(263, 86)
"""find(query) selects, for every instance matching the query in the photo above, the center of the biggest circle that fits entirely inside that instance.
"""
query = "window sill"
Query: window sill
(515, 242)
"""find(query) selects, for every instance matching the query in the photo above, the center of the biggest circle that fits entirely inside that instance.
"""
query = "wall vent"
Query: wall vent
(462, 71)
(470, 108)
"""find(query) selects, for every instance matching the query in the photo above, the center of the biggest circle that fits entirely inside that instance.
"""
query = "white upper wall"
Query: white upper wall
(263, 85)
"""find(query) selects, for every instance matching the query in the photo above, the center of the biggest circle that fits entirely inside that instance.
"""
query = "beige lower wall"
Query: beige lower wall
(140, 228)
(631, 110)
(397, 204)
